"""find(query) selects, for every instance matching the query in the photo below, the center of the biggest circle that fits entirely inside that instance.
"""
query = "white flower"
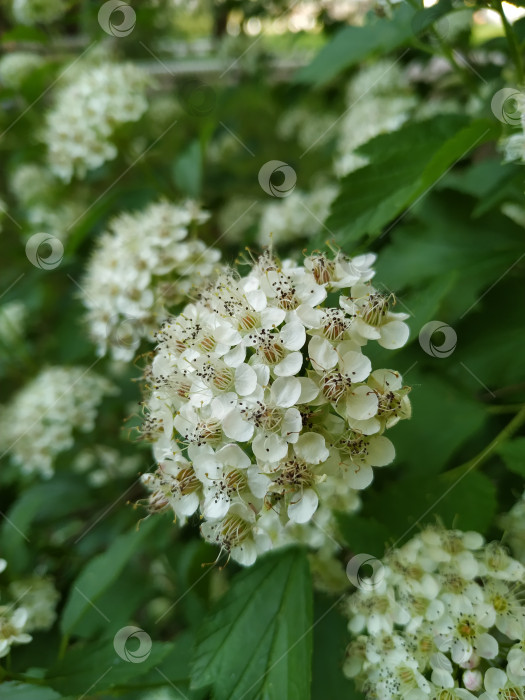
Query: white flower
(258, 383)
(15, 67)
(40, 421)
(12, 625)
(143, 264)
(38, 11)
(88, 110)
(437, 619)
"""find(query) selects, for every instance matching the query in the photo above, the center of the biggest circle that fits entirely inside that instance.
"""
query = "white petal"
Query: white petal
(235, 356)
(303, 506)
(309, 390)
(487, 646)
(291, 364)
(286, 391)
(322, 354)
(362, 403)
(291, 425)
(256, 299)
(245, 380)
(232, 456)
(356, 365)
(309, 317)
(359, 477)
(394, 335)
(311, 447)
(245, 553)
(236, 428)
(495, 679)
(269, 448)
(380, 451)
(293, 335)
(272, 317)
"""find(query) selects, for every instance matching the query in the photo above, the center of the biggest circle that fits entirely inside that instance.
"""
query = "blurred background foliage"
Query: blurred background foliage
(231, 86)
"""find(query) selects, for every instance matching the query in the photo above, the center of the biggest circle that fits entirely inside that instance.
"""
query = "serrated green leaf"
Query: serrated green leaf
(330, 641)
(97, 667)
(100, 572)
(513, 454)
(352, 45)
(404, 166)
(257, 643)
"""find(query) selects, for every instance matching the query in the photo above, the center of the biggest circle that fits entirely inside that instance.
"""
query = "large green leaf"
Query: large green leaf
(99, 573)
(352, 45)
(404, 166)
(467, 502)
(92, 668)
(513, 454)
(257, 643)
(14, 690)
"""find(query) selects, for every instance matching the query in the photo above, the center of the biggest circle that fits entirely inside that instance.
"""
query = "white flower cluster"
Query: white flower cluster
(16, 66)
(40, 421)
(263, 401)
(442, 619)
(13, 317)
(144, 263)
(379, 101)
(300, 215)
(102, 464)
(88, 110)
(32, 609)
(38, 11)
(513, 525)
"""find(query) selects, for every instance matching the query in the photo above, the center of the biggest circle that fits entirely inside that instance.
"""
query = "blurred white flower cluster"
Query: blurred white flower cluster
(300, 215)
(88, 111)
(379, 100)
(38, 11)
(16, 66)
(32, 609)
(513, 524)
(443, 618)
(39, 422)
(263, 403)
(146, 262)
(13, 317)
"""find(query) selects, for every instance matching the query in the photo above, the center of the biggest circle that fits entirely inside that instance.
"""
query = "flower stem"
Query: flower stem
(507, 432)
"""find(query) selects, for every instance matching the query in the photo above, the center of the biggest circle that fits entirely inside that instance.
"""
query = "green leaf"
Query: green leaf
(41, 502)
(258, 641)
(466, 502)
(187, 170)
(353, 45)
(404, 166)
(100, 572)
(363, 534)
(14, 690)
(513, 454)
(92, 668)
(443, 419)
(330, 641)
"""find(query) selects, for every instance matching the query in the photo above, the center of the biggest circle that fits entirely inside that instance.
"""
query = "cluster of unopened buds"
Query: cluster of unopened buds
(263, 403)
(442, 618)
